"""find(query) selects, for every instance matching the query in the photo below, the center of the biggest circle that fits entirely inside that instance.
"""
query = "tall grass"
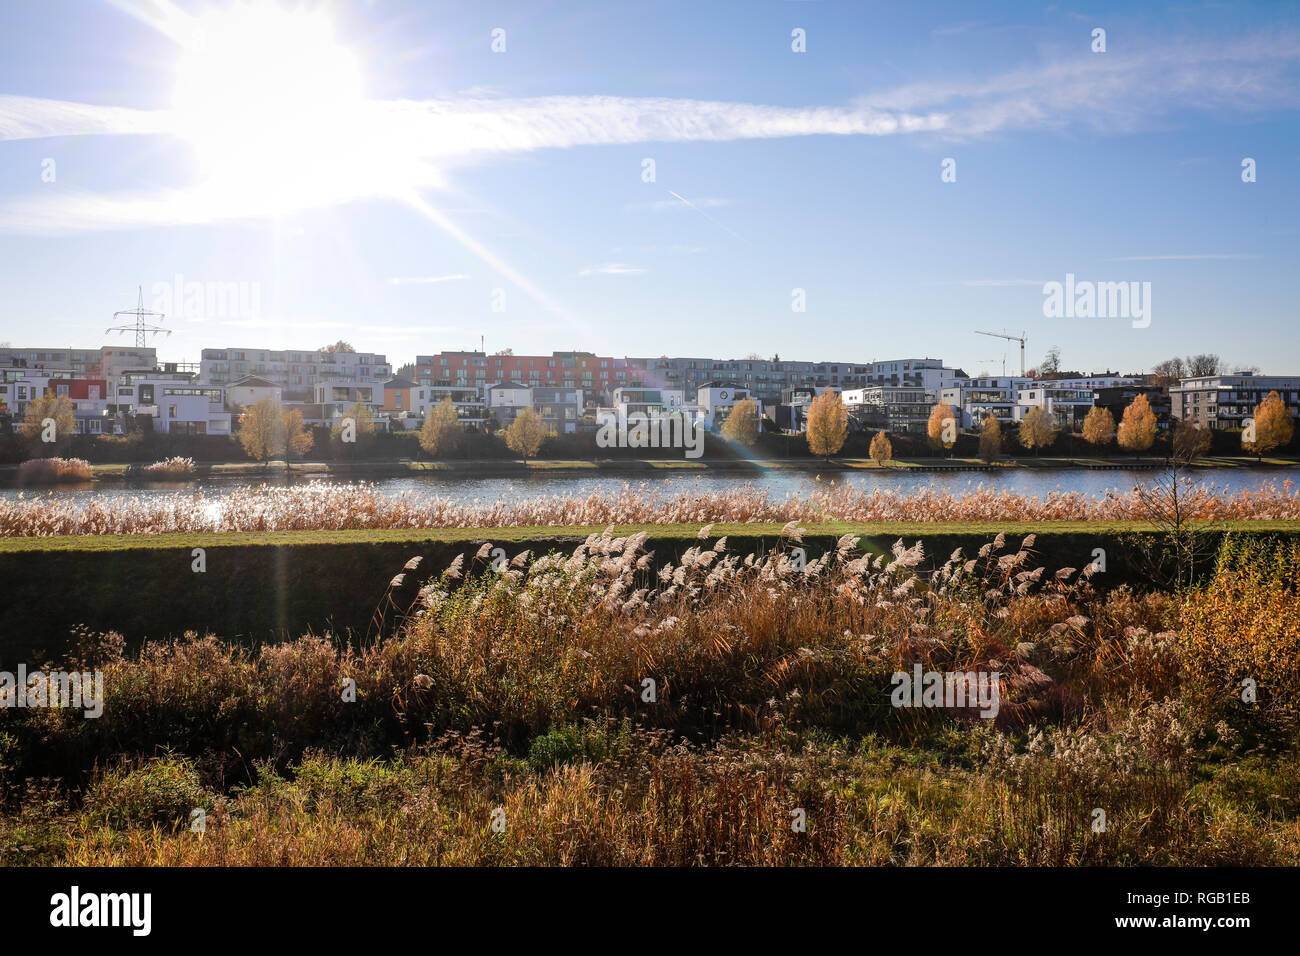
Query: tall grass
(44, 471)
(175, 467)
(523, 688)
(323, 505)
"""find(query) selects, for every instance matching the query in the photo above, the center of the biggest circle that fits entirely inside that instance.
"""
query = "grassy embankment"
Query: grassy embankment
(522, 698)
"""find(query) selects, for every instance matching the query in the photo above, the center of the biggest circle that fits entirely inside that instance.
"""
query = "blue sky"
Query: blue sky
(384, 195)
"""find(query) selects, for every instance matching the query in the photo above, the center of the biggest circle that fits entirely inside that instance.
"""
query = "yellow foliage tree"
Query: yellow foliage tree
(1190, 441)
(1037, 430)
(441, 431)
(828, 425)
(294, 434)
(1273, 426)
(260, 430)
(990, 438)
(1099, 427)
(50, 408)
(1137, 429)
(942, 427)
(526, 433)
(742, 424)
(882, 449)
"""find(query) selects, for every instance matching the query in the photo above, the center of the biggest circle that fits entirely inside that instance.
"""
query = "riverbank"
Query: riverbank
(491, 467)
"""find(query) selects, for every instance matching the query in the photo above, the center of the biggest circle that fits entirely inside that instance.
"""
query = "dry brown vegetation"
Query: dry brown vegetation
(324, 505)
(522, 689)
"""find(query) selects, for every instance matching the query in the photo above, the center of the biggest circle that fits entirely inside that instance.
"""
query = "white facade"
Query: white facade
(175, 402)
(715, 403)
(250, 390)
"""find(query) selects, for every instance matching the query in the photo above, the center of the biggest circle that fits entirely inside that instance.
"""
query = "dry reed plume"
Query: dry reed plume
(328, 506)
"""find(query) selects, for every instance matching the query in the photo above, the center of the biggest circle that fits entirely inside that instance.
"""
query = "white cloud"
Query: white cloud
(1177, 258)
(613, 269)
(424, 280)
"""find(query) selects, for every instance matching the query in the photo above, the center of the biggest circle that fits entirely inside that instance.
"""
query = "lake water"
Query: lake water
(778, 484)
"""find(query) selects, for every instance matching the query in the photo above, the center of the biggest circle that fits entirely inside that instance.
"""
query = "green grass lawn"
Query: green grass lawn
(542, 533)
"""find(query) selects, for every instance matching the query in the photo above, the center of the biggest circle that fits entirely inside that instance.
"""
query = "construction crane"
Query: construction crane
(1021, 338)
(140, 327)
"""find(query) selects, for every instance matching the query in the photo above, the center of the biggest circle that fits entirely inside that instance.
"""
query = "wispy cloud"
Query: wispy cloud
(1112, 93)
(993, 283)
(424, 280)
(613, 269)
(1178, 258)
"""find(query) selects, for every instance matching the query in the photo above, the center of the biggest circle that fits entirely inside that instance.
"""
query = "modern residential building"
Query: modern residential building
(1067, 405)
(298, 373)
(250, 390)
(561, 408)
(1227, 401)
(634, 403)
(716, 400)
(335, 398)
(505, 400)
(974, 399)
(890, 407)
(175, 402)
(107, 362)
(596, 375)
(398, 398)
(765, 379)
(469, 402)
(89, 398)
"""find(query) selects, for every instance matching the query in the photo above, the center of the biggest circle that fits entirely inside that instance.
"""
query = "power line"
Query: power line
(140, 327)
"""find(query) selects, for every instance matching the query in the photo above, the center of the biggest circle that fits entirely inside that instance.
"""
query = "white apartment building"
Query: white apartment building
(107, 362)
(505, 400)
(250, 390)
(176, 403)
(715, 402)
(298, 373)
(974, 399)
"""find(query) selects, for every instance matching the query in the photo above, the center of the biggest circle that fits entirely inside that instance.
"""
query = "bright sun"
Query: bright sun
(272, 104)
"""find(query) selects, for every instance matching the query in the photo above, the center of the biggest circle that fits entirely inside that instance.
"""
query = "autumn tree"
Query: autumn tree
(526, 433)
(1137, 429)
(1037, 429)
(295, 436)
(1190, 441)
(942, 427)
(882, 449)
(1271, 425)
(742, 424)
(828, 425)
(51, 422)
(990, 438)
(1099, 427)
(260, 430)
(339, 346)
(355, 427)
(441, 432)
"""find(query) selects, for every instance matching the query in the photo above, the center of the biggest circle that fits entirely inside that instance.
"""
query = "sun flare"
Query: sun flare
(271, 103)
